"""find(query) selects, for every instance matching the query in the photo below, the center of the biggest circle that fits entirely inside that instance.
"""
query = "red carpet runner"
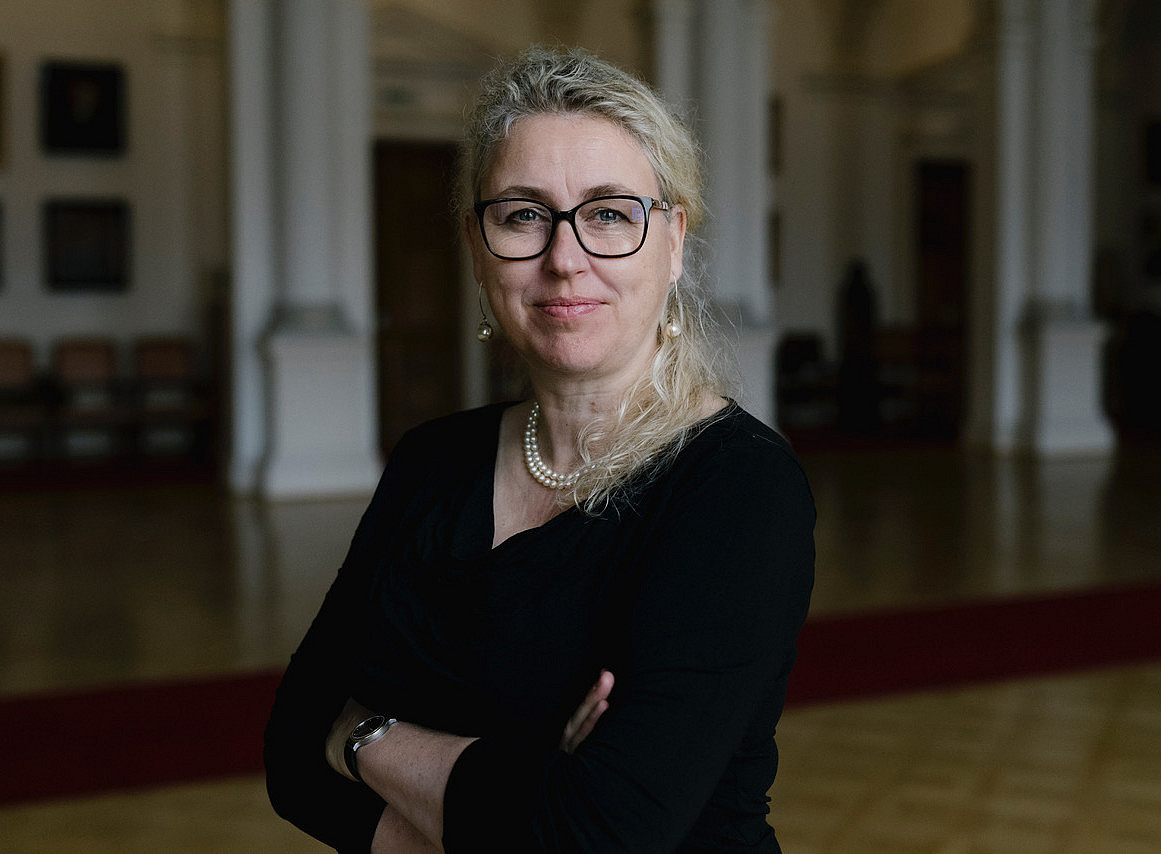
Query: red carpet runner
(68, 744)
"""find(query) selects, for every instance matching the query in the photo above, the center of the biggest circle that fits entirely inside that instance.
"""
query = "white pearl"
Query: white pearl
(535, 463)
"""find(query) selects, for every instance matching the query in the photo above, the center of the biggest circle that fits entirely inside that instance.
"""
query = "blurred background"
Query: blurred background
(230, 278)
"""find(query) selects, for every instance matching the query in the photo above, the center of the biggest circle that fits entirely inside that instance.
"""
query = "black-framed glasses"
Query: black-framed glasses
(605, 227)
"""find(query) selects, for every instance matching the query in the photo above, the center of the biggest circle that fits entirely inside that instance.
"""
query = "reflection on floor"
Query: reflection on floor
(116, 585)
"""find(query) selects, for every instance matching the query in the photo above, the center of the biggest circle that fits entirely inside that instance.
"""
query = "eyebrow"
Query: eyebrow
(538, 194)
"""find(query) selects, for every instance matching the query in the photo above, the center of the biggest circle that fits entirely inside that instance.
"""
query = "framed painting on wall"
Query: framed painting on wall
(1153, 152)
(774, 247)
(87, 245)
(3, 113)
(82, 108)
(775, 119)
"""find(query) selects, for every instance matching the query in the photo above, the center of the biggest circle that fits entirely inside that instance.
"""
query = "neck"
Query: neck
(563, 415)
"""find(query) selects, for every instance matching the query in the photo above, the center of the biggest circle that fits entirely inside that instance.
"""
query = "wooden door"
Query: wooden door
(417, 267)
(942, 273)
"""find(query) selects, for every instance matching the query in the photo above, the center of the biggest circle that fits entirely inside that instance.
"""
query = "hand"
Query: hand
(583, 720)
(336, 744)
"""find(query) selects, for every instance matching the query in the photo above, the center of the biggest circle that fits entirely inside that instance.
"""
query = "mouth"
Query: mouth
(566, 308)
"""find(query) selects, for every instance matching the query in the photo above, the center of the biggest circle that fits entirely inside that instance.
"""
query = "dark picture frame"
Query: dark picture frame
(87, 245)
(774, 247)
(1151, 246)
(83, 108)
(775, 120)
(3, 111)
(1152, 158)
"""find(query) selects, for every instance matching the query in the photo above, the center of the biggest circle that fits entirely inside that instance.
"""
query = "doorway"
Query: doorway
(942, 270)
(417, 274)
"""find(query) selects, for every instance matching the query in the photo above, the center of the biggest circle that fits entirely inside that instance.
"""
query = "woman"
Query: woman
(628, 525)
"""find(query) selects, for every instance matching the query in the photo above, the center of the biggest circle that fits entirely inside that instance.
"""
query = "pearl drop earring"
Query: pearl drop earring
(484, 330)
(672, 327)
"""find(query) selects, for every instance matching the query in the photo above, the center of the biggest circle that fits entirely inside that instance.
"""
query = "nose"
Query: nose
(565, 256)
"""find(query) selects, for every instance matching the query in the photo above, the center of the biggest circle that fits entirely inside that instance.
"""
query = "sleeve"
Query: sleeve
(724, 589)
(302, 787)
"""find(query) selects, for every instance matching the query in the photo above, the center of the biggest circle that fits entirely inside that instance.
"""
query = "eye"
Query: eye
(608, 215)
(522, 214)
(605, 214)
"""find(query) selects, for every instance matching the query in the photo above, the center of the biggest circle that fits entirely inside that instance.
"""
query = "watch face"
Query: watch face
(365, 728)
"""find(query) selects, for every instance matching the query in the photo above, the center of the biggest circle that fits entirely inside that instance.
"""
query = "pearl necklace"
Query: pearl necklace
(535, 463)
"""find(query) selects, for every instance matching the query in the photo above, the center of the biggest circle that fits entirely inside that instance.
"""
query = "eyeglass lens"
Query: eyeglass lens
(519, 228)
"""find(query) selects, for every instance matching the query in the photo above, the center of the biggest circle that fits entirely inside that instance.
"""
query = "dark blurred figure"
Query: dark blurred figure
(858, 384)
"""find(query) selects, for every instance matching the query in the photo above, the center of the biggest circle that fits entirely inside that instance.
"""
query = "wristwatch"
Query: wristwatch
(365, 731)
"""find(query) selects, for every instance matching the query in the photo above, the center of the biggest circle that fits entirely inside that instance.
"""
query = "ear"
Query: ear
(676, 242)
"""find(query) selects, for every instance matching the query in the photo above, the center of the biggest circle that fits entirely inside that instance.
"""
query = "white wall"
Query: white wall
(171, 174)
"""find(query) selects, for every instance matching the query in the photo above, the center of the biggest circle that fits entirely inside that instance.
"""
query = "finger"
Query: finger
(586, 726)
(604, 686)
(590, 710)
(598, 692)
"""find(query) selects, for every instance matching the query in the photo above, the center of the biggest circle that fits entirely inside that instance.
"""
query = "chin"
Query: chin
(565, 358)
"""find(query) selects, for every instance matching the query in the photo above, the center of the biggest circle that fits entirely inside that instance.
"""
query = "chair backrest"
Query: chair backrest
(17, 365)
(85, 361)
(164, 359)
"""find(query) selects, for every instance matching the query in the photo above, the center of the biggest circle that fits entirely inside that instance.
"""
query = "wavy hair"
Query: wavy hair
(664, 409)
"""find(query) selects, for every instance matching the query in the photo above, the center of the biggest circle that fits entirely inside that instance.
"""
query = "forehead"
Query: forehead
(569, 154)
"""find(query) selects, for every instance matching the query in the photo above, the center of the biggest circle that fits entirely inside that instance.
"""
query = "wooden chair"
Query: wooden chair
(171, 409)
(90, 417)
(24, 410)
(804, 383)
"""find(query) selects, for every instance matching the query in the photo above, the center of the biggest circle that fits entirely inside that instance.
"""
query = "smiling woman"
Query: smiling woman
(584, 321)
(628, 525)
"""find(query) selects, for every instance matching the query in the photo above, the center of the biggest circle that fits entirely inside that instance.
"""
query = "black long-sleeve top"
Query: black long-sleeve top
(692, 594)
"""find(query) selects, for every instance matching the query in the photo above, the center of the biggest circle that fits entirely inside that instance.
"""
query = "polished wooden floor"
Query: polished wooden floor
(103, 585)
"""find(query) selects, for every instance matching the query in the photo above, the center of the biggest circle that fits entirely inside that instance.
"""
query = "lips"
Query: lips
(567, 308)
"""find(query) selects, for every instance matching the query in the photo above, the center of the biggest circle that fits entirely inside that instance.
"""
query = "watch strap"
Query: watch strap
(354, 742)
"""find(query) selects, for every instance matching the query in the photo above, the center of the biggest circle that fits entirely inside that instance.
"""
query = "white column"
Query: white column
(252, 209)
(306, 424)
(1064, 103)
(1013, 214)
(321, 435)
(1063, 342)
(717, 52)
(351, 120)
(305, 169)
(733, 100)
(674, 39)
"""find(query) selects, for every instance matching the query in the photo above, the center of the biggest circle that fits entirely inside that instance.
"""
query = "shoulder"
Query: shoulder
(451, 437)
(735, 447)
(736, 477)
(432, 452)
(734, 426)
(466, 425)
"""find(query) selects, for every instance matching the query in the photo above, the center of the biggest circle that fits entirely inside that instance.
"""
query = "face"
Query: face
(570, 315)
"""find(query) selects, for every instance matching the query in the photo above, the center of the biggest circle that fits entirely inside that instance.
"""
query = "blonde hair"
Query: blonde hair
(665, 408)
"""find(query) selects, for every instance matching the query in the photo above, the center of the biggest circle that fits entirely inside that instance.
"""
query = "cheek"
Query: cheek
(504, 296)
